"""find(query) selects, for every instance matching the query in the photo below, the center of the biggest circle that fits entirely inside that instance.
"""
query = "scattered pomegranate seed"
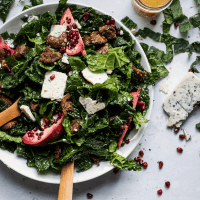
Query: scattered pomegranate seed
(46, 126)
(142, 107)
(52, 76)
(141, 153)
(137, 159)
(141, 162)
(176, 130)
(112, 21)
(146, 89)
(167, 184)
(86, 16)
(180, 150)
(191, 70)
(153, 22)
(145, 165)
(74, 26)
(127, 141)
(45, 119)
(159, 192)
(113, 25)
(118, 32)
(108, 22)
(115, 170)
(176, 24)
(89, 195)
(160, 163)
(181, 137)
(62, 50)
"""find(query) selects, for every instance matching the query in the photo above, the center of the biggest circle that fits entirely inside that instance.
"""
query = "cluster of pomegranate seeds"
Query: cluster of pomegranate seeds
(72, 36)
(176, 130)
(153, 22)
(141, 104)
(167, 184)
(127, 141)
(179, 150)
(86, 16)
(115, 170)
(118, 31)
(160, 163)
(191, 70)
(140, 161)
(6, 53)
(141, 153)
(62, 50)
(182, 137)
(176, 24)
(159, 192)
(89, 195)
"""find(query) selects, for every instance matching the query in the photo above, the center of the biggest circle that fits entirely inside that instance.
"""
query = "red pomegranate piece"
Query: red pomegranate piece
(115, 170)
(153, 22)
(181, 137)
(179, 150)
(75, 42)
(89, 195)
(176, 24)
(159, 192)
(176, 130)
(141, 153)
(191, 70)
(136, 97)
(167, 184)
(145, 165)
(141, 162)
(108, 22)
(49, 134)
(7, 49)
(52, 76)
(160, 163)
(127, 141)
(122, 136)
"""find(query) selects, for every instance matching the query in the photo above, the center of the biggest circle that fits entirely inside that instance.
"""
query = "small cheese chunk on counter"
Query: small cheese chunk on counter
(91, 106)
(182, 100)
(54, 85)
(57, 30)
(27, 111)
(94, 77)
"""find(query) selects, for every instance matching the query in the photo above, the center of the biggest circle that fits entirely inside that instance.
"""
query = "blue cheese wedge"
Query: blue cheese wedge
(65, 58)
(57, 30)
(182, 100)
(27, 111)
(94, 77)
(91, 106)
(54, 88)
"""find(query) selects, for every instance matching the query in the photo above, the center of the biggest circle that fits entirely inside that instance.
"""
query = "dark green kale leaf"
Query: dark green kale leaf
(3, 106)
(198, 127)
(61, 9)
(36, 2)
(128, 22)
(4, 136)
(5, 6)
(195, 21)
(194, 64)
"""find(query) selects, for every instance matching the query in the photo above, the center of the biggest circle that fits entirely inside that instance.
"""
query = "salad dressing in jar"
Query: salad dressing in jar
(150, 8)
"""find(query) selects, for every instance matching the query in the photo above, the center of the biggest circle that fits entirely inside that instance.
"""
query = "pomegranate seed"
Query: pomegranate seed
(127, 141)
(141, 162)
(159, 192)
(59, 114)
(42, 129)
(146, 89)
(69, 21)
(145, 165)
(46, 120)
(176, 24)
(142, 107)
(113, 25)
(167, 184)
(153, 22)
(87, 14)
(141, 103)
(118, 32)
(115, 170)
(37, 134)
(137, 159)
(112, 21)
(191, 70)
(71, 36)
(180, 150)
(181, 137)
(46, 126)
(160, 163)
(39, 137)
(89, 195)
(69, 28)
(176, 130)
(52, 76)
(108, 22)
(141, 153)
(62, 50)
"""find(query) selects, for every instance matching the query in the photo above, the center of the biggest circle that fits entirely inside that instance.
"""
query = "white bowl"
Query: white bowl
(18, 164)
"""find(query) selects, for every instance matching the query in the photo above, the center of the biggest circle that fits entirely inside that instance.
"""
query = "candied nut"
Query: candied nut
(57, 42)
(34, 106)
(20, 51)
(139, 74)
(103, 49)
(9, 125)
(6, 100)
(87, 39)
(108, 31)
(96, 160)
(97, 38)
(66, 105)
(75, 126)
(57, 152)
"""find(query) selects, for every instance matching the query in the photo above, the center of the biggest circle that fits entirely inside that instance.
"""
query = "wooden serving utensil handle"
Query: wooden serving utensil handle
(66, 182)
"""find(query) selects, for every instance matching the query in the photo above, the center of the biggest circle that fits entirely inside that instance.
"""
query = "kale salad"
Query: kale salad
(82, 89)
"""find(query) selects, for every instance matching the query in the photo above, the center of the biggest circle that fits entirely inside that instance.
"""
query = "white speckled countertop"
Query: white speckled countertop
(158, 143)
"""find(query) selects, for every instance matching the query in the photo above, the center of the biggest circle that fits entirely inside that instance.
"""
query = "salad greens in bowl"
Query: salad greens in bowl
(85, 89)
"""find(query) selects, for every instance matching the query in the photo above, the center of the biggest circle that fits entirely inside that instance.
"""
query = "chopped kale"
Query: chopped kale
(128, 22)
(5, 6)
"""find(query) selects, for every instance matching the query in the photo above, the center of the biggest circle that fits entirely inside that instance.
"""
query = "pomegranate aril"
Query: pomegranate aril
(52, 76)
(179, 150)
(176, 130)
(146, 89)
(108, 22)
(62, 50)
(42, 129)
(137, 159)
(191, 70)
(59, 114)
(89, 195)
(69, 28)
(145, 165)
(141, 162)
(127, 141)
(115, 170)
(113, 25)
(142, 107)
(71, 36)
(141, 103)
(167, 184)
(153, 22)
(181, 137)
(160, 163)
(46, 120)
(46, 126)
(37, 134)
(118, 32)
(39, 137)
(141, 153)
(159, 192)
(176, 24)
(112, 21)
(69, 21)
(87, 14)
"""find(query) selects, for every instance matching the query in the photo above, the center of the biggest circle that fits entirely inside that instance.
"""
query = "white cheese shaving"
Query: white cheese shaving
(65, 58)
(26, 110)
(10, 43)
(77, 24)
(54, 89)
(30, 18)
(109, 71)
(133, 31)
(91, 106)
(187, 136)
(164, 88)
(121, 32)
(140, 37)
(57, 30)
(94, 77)
(70, 73)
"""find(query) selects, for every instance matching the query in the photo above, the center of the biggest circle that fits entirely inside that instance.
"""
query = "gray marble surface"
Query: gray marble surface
(158, 143)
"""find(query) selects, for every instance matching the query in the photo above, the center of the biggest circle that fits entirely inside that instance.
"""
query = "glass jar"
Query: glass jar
(147, 11)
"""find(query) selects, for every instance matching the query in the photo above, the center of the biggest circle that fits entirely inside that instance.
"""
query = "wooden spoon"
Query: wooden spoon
(66, 182)
(10, 113)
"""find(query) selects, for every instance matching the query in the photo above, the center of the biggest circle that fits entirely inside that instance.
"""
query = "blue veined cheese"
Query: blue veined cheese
(94, 77)
(54, 88)
(91, 106)
(10, 43)
(77, 24)
(26, 110)
(57, 30)
(65, 58)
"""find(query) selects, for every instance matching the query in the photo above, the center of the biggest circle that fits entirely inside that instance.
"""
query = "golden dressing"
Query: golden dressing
(154, 3)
